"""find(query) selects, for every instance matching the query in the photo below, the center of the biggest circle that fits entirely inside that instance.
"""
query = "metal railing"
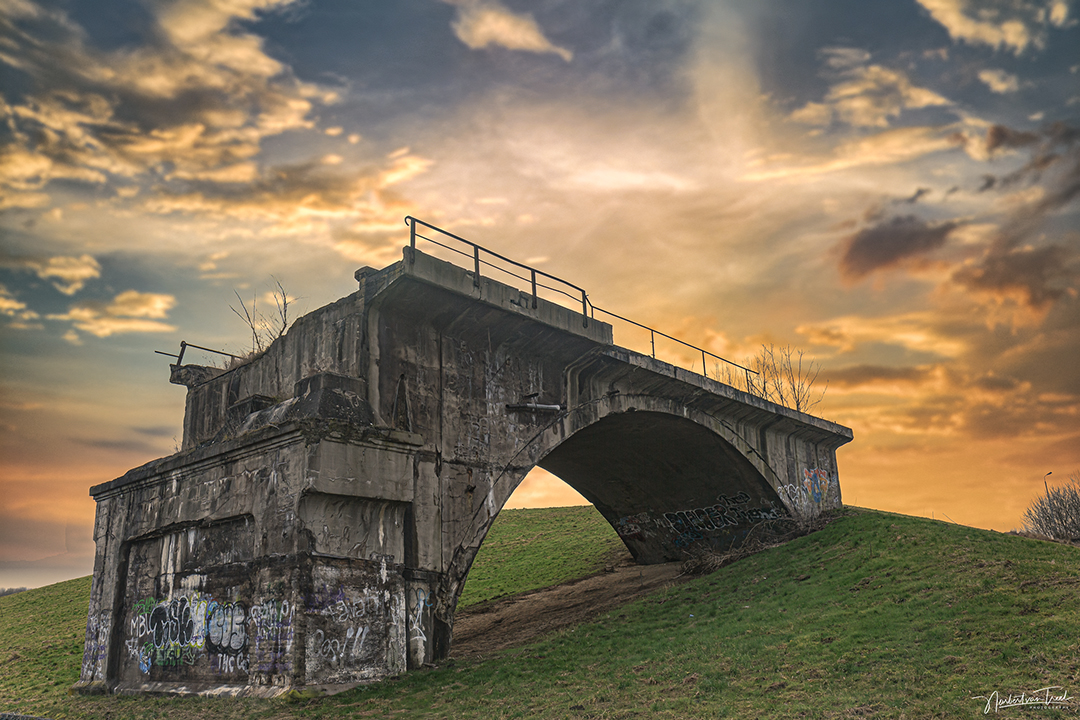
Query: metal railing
(588, 310)
(185, 345)
(478, 261)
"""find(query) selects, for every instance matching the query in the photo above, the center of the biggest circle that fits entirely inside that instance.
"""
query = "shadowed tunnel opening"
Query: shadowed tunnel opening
(666, 484)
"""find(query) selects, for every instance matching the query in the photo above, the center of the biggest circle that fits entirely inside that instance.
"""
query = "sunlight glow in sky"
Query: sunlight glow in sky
(891, 187)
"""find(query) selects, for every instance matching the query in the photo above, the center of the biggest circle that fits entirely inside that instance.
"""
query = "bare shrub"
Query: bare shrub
(784, 376)
(1056, 514)
(265, 329)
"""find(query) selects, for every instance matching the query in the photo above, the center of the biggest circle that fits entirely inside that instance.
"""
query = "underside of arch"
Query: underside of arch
(668, 485)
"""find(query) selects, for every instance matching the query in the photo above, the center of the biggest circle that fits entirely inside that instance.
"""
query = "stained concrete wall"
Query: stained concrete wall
(319, 523)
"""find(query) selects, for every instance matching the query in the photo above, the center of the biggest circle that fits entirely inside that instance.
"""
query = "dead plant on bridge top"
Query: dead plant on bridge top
(264, 329)
(785, 376)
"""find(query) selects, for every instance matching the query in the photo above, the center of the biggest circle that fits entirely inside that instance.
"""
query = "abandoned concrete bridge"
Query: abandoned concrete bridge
(319, 522)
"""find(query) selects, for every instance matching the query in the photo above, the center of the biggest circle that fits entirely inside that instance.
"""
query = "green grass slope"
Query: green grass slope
(529, 549)
(876, 615)
(41, 643)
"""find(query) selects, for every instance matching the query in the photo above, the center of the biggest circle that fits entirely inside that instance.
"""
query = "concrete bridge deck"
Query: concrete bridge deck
(319, 523)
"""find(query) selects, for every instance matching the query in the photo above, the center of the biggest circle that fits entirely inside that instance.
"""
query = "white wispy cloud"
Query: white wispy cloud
(999, 81)
(15, 309)
(1008, 24)
(129, 312)
(865, 95)
(68, 274)
(480, 23)
(885, 148)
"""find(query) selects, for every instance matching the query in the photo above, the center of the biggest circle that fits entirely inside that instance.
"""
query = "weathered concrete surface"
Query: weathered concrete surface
(318, 525)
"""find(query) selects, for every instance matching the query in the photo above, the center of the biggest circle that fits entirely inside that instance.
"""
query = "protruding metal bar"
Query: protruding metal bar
(476, 265)
(652, 341)
(704, 367)
(184, 345)
(584, 309)
(533, 287)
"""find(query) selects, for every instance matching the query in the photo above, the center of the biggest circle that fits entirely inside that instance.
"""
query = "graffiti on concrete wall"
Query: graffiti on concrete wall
(233, 637)
(689, 526)
(96, 647)
(635, 527)
(420, 602)
(807, 496)
(685, 527)
(178, 631)
(351, 617)
(271, 632)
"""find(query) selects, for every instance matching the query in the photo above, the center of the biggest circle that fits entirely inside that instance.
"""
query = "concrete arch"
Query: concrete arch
(669, 478)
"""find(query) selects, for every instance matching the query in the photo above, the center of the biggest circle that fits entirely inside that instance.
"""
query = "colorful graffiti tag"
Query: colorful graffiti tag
(178, 631)
(806, 497)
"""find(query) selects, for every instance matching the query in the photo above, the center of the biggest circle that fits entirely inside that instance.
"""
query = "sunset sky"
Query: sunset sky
(890, 186)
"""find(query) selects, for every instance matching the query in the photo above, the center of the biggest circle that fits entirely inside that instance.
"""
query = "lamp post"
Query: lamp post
(1045, 486)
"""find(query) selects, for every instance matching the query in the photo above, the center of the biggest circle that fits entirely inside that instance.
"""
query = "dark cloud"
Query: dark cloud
(162, 431)
(996, 383)
(999, 136)
(916, 196)
(133, 446)
(1020, 262)
(1032, 273)
(890, 243)
(859, 375)
(1055, 161)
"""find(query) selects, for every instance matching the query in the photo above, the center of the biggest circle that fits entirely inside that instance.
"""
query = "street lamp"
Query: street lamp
(1045, 487)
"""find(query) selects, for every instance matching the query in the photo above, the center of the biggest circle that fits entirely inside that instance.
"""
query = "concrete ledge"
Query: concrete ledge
(256, 443)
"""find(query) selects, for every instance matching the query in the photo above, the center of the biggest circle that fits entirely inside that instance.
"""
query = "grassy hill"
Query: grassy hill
(876, 615)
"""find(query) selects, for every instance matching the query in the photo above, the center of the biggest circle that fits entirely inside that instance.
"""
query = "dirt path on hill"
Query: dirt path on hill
(509, 622)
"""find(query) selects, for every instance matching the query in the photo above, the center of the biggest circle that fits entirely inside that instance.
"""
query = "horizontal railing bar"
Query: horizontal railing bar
(669, 337)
